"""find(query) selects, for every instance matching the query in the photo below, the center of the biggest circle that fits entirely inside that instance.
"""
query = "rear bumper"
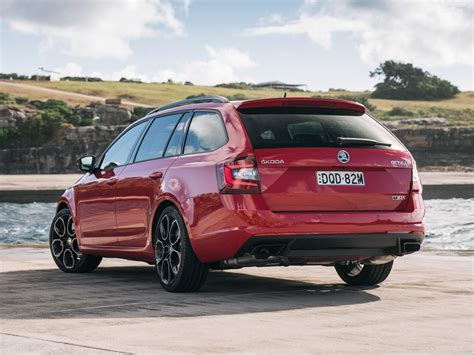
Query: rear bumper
(344, 246)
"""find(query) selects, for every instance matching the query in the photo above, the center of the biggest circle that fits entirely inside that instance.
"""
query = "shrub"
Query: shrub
(21, 100)
(240, 85)
(139, 112)
(80, 78)
(237, 97)
(400, 111)
(13, 76)
(197, 95)
(42, 127)
(5, 98)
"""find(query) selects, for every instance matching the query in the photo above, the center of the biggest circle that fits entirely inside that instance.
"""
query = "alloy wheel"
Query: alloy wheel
(64, 245)
(168, 248)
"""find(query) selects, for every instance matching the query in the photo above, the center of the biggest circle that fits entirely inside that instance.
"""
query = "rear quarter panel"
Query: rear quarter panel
(192, 181)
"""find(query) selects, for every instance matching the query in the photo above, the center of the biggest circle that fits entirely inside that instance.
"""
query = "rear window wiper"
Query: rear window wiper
(359, 141)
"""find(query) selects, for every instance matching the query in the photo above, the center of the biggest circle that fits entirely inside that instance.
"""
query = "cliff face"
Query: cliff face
(435, 147)
(431, 147)
(61, 154)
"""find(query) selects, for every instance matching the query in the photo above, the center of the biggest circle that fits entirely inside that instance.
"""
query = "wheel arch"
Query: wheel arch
(62, 205)
(66, 201)
(167, 202)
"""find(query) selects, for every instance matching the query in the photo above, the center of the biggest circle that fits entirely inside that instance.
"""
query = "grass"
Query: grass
(458, 110)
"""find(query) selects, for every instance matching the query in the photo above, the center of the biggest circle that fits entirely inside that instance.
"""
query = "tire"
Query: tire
(176, 265)
(356, 274)
(64, 246)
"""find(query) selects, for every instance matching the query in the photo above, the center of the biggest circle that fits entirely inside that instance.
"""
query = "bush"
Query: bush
(41, 77)
(41, 128)
(197, 95)
(5, 99)
(139, 112)
(13, 76)
(237, 97)
(31, 133)
(400, 111)
(80, 78)
(125, 80)
(21, 100)
(240, 85)
(403, 81)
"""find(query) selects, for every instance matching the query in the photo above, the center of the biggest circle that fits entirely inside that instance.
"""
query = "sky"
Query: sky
(323, 44)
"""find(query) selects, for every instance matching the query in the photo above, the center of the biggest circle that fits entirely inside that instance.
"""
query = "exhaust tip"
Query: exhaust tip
(410, 247)
(262, 253)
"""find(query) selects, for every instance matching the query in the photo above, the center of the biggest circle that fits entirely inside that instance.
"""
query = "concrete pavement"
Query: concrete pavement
(424, 306)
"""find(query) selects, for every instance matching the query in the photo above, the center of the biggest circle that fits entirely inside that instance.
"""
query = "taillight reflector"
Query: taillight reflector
(238, 176)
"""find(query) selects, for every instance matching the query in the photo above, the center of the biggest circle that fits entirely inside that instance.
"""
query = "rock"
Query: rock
(424, 121)
(11, 115)
(112, 115)
(85, 112)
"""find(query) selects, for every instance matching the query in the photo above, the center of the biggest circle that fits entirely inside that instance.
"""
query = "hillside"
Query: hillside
(458, 111)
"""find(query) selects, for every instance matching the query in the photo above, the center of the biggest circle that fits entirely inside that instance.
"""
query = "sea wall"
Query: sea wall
(431, 147)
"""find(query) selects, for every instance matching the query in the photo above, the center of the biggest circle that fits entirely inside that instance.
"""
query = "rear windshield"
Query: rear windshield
(308, 129)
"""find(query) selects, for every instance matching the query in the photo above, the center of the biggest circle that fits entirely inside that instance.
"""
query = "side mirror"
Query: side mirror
(87, 163)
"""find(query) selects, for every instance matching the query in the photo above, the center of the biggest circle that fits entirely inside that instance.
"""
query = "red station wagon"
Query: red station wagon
(207, 184)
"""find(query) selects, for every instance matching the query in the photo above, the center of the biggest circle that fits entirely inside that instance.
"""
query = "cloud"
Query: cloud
(221, 65)
(70, 69)
(89, 28)
(435, 33)
(129, 72)
(186, 4)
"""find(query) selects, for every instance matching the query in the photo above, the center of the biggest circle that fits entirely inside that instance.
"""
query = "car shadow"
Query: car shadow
(132, 292)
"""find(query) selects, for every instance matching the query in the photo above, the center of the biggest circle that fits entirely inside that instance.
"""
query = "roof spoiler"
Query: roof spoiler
(302, 102)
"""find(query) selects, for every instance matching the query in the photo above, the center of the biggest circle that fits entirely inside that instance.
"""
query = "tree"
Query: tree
(403, 81)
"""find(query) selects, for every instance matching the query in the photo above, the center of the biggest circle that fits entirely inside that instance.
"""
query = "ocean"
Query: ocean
(450, 223)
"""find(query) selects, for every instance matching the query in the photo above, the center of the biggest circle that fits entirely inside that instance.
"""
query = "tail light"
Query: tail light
(238, 176)
(415, 180)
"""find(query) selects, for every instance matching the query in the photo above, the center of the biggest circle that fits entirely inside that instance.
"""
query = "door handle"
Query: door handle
(156, 175)
(111, 181)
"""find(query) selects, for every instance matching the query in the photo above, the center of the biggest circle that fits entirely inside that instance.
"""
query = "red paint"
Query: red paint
(114, 210)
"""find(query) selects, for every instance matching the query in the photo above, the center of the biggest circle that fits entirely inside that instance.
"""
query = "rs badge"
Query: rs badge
(399, 198)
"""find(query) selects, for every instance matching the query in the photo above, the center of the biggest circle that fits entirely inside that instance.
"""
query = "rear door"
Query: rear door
(140, 184)
(305, 164)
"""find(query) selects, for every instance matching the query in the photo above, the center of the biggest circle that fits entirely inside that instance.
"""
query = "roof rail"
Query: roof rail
(194, 100)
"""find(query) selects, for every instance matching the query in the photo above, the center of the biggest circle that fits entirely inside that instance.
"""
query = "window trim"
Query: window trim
(149, 119)
(183, 137)
(133, 125)
(133, 158)
(189, 125)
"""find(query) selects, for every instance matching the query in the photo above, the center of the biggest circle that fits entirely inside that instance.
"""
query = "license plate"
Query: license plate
(340, 178)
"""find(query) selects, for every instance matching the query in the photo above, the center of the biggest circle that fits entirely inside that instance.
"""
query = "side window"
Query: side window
(119, 152)
(176, 141)
(206, 133)
(155, 140)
